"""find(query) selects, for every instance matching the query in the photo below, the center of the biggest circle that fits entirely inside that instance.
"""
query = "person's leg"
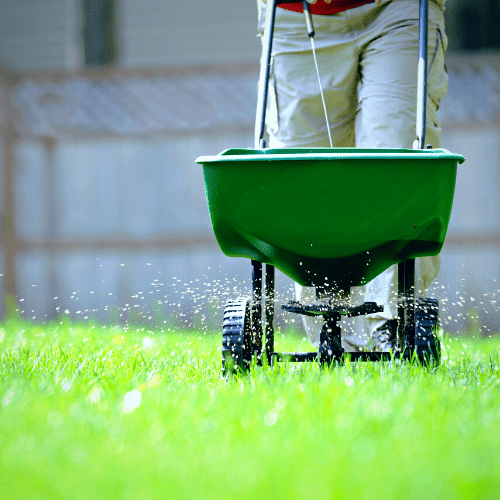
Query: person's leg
(386, 118)
(385, 112)
(295, 116)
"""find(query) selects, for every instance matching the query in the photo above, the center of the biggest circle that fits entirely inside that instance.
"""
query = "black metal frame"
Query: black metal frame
(330, 347)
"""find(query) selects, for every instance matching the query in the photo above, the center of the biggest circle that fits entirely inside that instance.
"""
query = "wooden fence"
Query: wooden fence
(109, 225)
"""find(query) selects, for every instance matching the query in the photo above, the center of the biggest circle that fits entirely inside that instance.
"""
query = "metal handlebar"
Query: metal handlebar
(422, 73)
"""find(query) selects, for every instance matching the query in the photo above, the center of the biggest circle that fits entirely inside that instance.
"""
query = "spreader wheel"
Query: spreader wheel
(427, 345)
(236, 337)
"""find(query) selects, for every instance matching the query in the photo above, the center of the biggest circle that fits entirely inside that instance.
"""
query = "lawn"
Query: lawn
(94, 412)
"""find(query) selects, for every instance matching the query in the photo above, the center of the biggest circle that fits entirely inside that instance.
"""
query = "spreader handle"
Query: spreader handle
(422, 74)
(309, 21)
(265, 67)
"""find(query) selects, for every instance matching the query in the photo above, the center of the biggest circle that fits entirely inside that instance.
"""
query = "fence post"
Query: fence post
(9, 238)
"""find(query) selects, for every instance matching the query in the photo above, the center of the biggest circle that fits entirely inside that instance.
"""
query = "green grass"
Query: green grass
(88, 412)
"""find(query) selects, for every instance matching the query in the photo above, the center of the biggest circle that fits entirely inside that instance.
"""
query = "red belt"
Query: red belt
(327, 7)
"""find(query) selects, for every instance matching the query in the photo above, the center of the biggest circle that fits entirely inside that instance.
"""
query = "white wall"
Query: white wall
(151, 188)
(469, 278)
(136, 190)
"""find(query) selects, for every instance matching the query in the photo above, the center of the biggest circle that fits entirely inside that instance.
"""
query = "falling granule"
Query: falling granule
(147, 342)
(96, 395)
(66, 385)
(132, 400)
(270, 418)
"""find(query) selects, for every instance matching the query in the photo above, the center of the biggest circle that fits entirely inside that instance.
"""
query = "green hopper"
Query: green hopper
(330, 217)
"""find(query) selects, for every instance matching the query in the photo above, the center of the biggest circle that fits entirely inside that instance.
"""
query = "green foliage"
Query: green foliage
(88, 411)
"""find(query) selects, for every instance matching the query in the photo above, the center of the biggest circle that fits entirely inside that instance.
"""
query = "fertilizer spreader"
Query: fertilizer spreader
(328, 241)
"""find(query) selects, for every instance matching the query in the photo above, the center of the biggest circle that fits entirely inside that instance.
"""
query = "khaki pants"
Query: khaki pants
(367, 58)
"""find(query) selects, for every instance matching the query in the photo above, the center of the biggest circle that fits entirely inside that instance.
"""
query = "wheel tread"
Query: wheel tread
(427, 344)
(236, 336)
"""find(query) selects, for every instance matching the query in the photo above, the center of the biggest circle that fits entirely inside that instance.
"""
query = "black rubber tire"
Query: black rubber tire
(236, 337)
(427, 345)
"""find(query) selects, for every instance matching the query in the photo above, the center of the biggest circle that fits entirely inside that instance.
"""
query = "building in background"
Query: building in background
(69, 34)
(106, 104)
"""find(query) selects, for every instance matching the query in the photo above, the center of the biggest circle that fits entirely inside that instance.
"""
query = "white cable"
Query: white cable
(321, 91)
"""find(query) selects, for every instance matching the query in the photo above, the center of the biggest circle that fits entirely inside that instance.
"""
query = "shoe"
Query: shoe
(387, 336)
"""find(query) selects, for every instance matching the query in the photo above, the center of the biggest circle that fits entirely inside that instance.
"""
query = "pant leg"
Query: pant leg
(386, 117)
(384, 39)
(386, 112)
(295, 115)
